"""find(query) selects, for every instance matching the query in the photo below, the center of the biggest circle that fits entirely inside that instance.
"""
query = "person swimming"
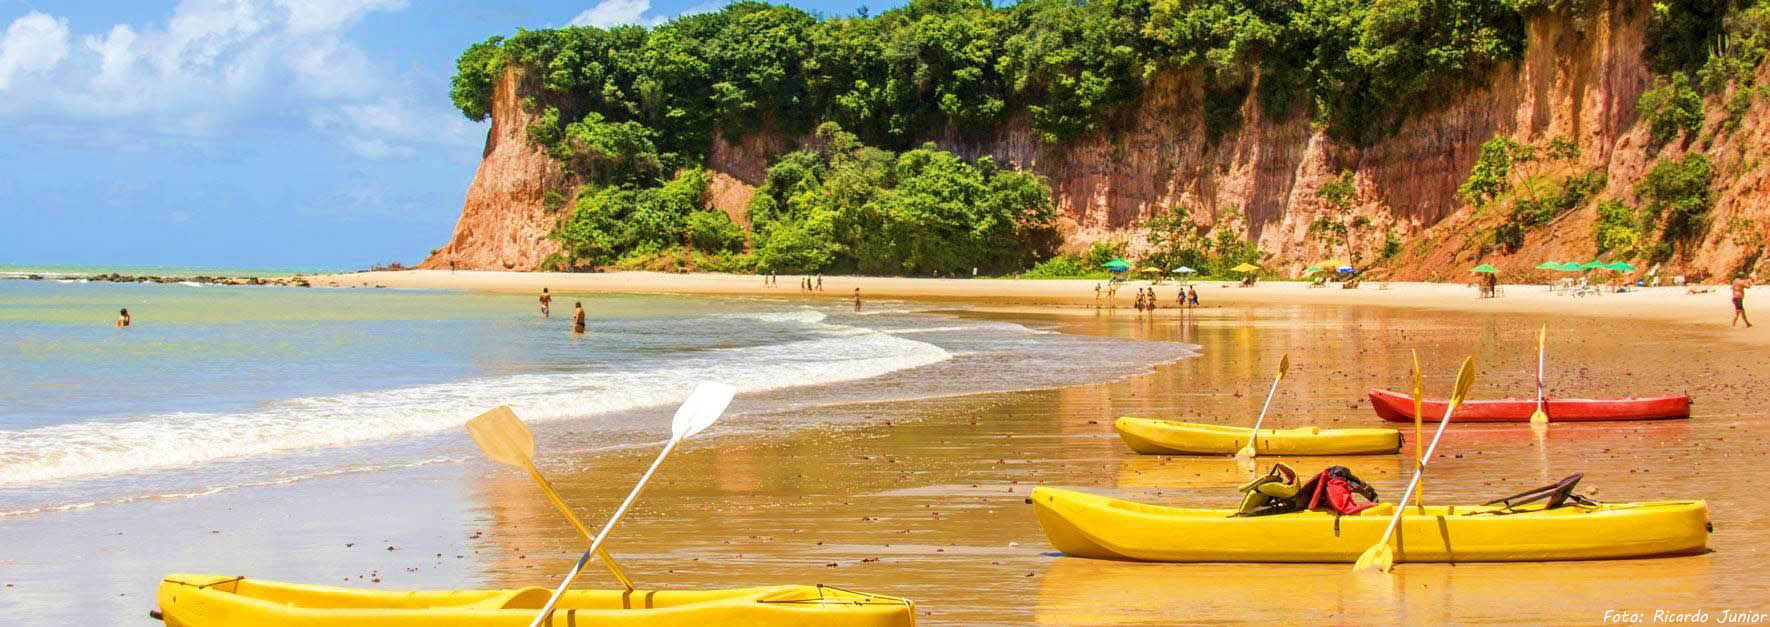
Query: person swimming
(122, 317)
(578, 317)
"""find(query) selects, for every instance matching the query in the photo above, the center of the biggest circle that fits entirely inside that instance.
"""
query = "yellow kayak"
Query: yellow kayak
(1167, 437)
(207, 600)
(1088, 525)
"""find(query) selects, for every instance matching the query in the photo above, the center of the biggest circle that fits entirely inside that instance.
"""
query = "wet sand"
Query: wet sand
(924, 499)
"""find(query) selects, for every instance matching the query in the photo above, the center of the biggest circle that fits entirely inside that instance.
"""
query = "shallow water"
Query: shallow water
(924, 498)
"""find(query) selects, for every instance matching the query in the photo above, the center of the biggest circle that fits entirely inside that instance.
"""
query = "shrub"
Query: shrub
(1671, 108)
(1618, 230)
(1064, 267)
(1676, 195)
(713, 231)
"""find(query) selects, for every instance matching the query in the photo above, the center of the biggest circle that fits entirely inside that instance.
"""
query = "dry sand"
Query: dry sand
(1668, 304)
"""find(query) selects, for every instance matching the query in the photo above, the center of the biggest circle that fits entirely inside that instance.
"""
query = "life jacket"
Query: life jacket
(1332, 490)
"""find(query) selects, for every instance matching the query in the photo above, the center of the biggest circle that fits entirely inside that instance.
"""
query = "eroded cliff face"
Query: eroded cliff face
(1579, 79)
(505, 222)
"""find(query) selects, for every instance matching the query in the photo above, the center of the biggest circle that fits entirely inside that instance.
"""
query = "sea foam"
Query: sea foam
(176, 439)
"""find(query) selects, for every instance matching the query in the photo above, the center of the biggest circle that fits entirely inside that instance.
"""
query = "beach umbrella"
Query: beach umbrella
(1184, 270)
(1150, 269)
(1620, 267)
(1572, 266)
(1331, 263)
(1345, 270)
(1246, 267)
(1594, 265)
(1311, 270)
(1548, 265)
(1117, 265)
(1486, 269)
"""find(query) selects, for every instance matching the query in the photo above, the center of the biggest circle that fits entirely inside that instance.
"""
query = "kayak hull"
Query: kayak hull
(1167, 437)
(211, 601)
(1396, 407)
(1093, 526)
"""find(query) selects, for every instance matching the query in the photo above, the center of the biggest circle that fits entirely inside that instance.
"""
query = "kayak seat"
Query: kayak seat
(530, 598)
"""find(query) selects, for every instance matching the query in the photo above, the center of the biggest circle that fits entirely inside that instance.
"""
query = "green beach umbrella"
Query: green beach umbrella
(1572, 267)
(1311, 270)
(1117, 265)
(1620, 267)
(1486, 269)
(1594, 265)
(1548, 265)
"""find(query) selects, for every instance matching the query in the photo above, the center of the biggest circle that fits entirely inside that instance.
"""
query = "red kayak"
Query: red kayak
(1395, 407)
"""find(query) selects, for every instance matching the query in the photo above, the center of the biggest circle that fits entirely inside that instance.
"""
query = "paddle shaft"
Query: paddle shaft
(596, 545)
(1255, 435)
(1419, 408)
(1541, 357)
(1419, 471)
(607, 560)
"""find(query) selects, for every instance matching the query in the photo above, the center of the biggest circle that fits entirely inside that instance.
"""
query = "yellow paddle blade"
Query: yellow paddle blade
(1465, 380)
(1284, 365)
(1538, 417)
(1246, 452)
(1419, 388)
(1419, 438)
(1379, 558)
(503, 437)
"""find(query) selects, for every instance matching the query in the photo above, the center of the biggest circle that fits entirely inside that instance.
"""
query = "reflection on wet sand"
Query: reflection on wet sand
(924, 499)
(1097, 592)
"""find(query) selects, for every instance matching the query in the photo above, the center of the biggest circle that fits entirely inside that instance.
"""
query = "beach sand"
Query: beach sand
(924, 498)
(1666, 303)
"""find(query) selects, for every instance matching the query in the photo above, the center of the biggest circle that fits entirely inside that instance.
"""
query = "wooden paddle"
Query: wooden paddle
(1381, 556)
(1540, 417)
(1247, 452)
(503, 437)
(1419, 409)
(702, 408)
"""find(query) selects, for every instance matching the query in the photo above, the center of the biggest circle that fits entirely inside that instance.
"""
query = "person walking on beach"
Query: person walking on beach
(578, 317)
(820, 282)
(1192, 297)
(1739, 285)
(546, 304)
(123, 317)
(1096, 293)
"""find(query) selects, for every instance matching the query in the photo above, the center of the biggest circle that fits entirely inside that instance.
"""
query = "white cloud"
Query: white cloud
(217, 70)
(33, 44)
(617, 12)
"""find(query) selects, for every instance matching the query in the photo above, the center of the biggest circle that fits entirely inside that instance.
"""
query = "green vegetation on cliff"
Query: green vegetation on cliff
(1360, 66)
(847, 207)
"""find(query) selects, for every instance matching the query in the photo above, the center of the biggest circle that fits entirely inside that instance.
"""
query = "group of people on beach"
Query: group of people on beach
(813, 283)
(1186, 298)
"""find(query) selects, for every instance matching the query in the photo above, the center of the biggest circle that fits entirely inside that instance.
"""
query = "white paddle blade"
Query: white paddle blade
(503, 437)
(703, 406)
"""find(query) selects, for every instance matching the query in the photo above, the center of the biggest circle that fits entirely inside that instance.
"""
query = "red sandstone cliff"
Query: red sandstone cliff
(1578, 79)
(505, 221)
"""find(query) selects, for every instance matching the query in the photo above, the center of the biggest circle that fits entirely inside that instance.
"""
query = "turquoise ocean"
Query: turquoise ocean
(218, 388)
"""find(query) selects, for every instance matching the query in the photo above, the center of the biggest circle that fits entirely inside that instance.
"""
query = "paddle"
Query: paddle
(703, 406)
(1540, 417)
(503, 437)
(1419, 409)
(1381, 556)
(1247, 452)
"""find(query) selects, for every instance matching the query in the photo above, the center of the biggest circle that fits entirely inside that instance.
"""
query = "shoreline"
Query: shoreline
(1664, 304)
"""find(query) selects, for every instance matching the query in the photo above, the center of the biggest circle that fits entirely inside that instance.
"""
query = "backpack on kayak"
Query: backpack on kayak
(1330, 490)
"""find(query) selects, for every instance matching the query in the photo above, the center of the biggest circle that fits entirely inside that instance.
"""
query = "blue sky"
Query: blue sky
(263, 133)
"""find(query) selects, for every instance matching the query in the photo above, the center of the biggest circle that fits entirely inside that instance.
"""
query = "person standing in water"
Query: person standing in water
(1192, 297)
(546, 304)
(857, 299)
(1739, 285)
(123, 316)
(578, 317)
